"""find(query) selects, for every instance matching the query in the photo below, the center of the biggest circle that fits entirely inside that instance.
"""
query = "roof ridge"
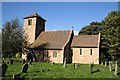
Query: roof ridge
(56, 30)
(84, 35)
(34, 15)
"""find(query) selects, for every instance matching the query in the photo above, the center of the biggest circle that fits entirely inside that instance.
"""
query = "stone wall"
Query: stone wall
(29, 30)
(86, 58)
(58, 59)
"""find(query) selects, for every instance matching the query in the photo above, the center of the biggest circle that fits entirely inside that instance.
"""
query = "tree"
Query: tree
(12, 37)
(110, 35)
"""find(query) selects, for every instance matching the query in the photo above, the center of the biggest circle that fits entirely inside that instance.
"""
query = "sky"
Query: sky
(59, 15)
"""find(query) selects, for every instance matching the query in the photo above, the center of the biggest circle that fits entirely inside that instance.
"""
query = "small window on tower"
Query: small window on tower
(30, 22)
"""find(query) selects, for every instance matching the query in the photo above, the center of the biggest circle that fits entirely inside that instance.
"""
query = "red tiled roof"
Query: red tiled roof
(52, 39)
(85, 41)
(34, 15)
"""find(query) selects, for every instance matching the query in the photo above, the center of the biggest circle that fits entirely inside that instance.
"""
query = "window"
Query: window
(90, 51)
(80, 51)
(30, 22)
(54, 54)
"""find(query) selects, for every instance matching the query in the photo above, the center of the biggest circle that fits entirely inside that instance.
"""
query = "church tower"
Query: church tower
(33, 26)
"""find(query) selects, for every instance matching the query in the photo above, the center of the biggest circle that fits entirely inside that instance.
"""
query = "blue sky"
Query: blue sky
(59, 15)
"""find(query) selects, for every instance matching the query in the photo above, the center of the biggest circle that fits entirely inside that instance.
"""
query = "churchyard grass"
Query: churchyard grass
(47, 70)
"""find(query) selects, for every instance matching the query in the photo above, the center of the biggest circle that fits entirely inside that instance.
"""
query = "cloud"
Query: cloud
(75, 32)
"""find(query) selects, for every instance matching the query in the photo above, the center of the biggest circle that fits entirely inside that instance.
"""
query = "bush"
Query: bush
(17, 55)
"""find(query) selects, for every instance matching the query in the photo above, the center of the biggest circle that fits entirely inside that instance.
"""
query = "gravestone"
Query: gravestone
(23, 61)
(30, 63)
(75, 65)
(110, 65)
(105, 63)
(16, 77)
(91, 67)
(4, 68)
(53, 63)
(64, 64)
(116, 67)
(101, 63)
(24, 68)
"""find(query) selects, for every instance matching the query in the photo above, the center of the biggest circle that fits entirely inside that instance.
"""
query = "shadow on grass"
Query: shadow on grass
(118, 74)
(113, 70)
(95, 71)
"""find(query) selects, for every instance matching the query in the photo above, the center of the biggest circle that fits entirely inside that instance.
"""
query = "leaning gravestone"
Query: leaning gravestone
(64, 64)
(4, 68)
(24, 68)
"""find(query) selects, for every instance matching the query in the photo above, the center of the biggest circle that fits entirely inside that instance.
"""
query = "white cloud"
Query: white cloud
(75, 32)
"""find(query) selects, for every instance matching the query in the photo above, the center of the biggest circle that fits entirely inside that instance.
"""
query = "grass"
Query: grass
(58, 71)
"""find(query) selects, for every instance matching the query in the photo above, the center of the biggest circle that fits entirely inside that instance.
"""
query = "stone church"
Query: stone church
(56, 46)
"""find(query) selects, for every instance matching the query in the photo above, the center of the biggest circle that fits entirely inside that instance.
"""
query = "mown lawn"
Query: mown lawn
(58, 71)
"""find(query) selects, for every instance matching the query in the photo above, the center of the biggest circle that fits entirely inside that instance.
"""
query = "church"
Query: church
(56, 46)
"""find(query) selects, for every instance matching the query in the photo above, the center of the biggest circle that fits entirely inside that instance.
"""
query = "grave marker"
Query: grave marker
(16, 77)
(24, 68)
(110, 64)
(116, 67)
(64, 64)
(91, 67)
(4, 68)
(105, 63)
(30, 63)
(23, 61)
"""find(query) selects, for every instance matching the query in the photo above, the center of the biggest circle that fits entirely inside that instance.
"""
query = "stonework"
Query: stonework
(58, 59)
(29, 30)
(85, 57)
